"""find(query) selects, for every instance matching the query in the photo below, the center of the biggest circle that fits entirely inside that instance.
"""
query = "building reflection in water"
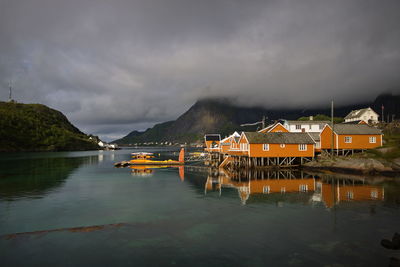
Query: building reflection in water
(335, 191)
(148, 170)
(331, 191)
(101, 156)
(142, 171)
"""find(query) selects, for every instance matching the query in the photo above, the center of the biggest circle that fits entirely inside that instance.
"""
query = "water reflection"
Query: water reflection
(148, 170)
(339, 191)
(142, 171)
(289, 185)
(103, 211)
(35, 177)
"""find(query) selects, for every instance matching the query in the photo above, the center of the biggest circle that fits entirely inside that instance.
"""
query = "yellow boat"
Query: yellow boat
(145, 158)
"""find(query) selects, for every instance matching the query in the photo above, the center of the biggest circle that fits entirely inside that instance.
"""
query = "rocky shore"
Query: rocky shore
(357, 165)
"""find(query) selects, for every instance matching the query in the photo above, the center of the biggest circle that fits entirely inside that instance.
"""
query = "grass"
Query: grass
(391, 148)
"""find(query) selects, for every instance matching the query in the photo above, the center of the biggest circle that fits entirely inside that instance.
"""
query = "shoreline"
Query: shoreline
(351, 171)
(357, 165)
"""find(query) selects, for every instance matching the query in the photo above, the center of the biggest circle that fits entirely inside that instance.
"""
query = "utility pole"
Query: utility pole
(10, 87)
(332, 137)
(263, 122)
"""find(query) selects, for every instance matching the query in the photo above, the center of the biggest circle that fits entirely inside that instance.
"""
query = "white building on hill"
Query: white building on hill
(366, 114)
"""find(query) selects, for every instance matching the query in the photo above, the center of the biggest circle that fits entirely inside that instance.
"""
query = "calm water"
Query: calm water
(75, 209)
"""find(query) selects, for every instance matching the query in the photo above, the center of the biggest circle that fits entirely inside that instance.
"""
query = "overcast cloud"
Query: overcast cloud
(115, 66)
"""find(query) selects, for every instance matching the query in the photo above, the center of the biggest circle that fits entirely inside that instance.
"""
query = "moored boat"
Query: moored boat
(145, 158)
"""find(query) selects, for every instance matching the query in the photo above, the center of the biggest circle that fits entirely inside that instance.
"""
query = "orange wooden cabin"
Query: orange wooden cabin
(276, 144)
(351, 137)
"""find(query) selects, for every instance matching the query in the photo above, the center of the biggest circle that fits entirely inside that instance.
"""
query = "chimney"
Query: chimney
(311, 118)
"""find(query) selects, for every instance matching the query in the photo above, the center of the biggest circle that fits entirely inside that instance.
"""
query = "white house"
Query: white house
(366, 114)
(310, 126)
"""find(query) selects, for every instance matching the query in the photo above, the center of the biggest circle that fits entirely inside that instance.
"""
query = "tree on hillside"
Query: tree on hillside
(322, 117)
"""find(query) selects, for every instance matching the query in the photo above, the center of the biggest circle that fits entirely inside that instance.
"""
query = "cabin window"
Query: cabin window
(372, 139)
(283, 189)
(318, 144)
(282, 145)
(347, 139)
(374, 194)
(310, 126)
(266, 147)
(302, 147)
(298, 126)
(303, 188)
(244, 146)
(266, 189)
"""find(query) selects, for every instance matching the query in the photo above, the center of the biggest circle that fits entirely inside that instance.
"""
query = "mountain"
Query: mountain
(224, 117)
(36, 127)
(204, 116)
(391, 104)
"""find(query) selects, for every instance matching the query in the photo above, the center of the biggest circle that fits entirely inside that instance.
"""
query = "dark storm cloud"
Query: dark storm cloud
(115, 66)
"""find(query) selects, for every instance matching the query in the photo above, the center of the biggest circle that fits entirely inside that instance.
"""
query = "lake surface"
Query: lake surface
(76, 209)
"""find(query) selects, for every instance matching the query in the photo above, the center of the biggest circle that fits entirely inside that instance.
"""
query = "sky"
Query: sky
(121, 65)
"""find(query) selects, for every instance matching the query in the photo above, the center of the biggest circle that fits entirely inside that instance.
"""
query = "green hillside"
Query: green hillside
(36, 127)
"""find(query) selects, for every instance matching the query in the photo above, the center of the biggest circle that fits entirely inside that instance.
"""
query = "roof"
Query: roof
(355, 129)
(234, 135)
(352, 122)
(225, 139)
(278, 138)
(266, 129)
(307, 122)
(357, 113)
(212, 137)
(270, 127)
(315, 136)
